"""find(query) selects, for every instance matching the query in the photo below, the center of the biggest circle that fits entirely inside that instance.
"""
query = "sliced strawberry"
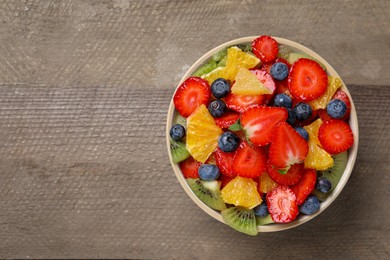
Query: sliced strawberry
(305, 187)
(227, 119)
(282, 204)
(265, 48)
(240, 103)
(335, 136)
(224, 180)
(323, 115)
(192, 93)
(268, 82)
(259, 123)
(344, 97)
(250, 162)
(288, 147)
(224, 162)
(291, 177)
(282, 87)
(189, 168)
(307, 80)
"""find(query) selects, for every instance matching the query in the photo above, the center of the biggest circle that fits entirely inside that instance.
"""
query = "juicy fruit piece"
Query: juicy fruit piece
(317, 158)
(261, 221)
(261, 210)
(241, 192)
(282, 204)
(192, 93)
(294, 56)
(302, 111)
(336, 108)
(283, 100)
(310, 206)
(236, 59)
(227, 119)
(335, 136)
(287, 147)
(208, 192)
(279, 71)
(284, 52)
(177, 132)
(241, 219)
(178, 119)
(220, 88)
(266, 184)
(208, 172)
(202, 134)
(224, 179)
(178, 151)
(265, 48)
(321, 102)
(307, 80)
(305, 186)
(217, 108)
(228, 142)
(240, 103)
(334, 173)
(206, 68)
(224, 162)
(190, 168)
(259, 123)
(246, 83)
(344, 97)
(323, 185)
(265, 79)
(250, 162)
(323, 115)
(291, 177)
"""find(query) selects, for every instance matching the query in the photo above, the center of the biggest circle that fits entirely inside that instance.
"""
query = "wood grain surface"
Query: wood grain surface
(84, 91)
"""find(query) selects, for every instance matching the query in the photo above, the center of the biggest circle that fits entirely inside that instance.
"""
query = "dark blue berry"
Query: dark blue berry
(291, 116)
(303, 111)
(323, 185)
(336, 108)
(261, 210)
(220, 88)
(228, 142)
(208, 172)
(310, 206)
(217, 108)
(279, 71)
(177, 132)
(283, 100)
(302, 132)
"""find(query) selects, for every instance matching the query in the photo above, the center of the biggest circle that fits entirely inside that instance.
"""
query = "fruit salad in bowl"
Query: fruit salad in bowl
(262, 134)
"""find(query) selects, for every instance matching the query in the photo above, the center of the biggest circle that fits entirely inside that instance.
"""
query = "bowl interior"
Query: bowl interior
(352, 152)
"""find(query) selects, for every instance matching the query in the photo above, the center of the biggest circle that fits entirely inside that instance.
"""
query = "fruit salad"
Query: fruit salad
(261, 133)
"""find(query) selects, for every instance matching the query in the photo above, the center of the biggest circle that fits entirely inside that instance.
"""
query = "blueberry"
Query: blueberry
(302, 132)
(279, 71)
(323, 185)
(291, 116)
(336, 108)
(261, 210)
(310, 206)
(283, 100)
(220, 88)
(217, 108)
(208, 172)
(303, 111)
(228, 142)
(177, 132)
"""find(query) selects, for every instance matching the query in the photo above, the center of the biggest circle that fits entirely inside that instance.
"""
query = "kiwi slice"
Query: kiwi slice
(207, 191)
(241, 219)
(294, 56)
(178, 119)
(220, 55)
(178, 151)
(261, 221)
(206, 68)
(284, 51)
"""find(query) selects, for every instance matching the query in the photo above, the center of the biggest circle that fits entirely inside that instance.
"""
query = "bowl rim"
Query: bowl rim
(352, 152)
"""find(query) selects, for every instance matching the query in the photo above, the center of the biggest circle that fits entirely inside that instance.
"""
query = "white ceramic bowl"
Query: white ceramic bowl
(352, 152)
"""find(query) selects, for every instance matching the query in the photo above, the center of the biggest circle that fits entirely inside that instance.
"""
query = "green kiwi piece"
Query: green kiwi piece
(207, 191)
(179, 151)
(241, 219)
(206, 68)
(294, 56)
(261, 221)
(246, 47)
(219, 55)
(222, 62)
(178, 119)
(284, 52)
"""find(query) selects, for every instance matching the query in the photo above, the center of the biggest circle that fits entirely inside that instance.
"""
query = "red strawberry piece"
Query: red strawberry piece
(282, 87)
(250, 161)
(288, 147)
(192, 93)
(240, 103)
(259, 123)
(282, 204)
(227, 119)
(189, 168)
(224, 162)
(307, 80)
(268, 82)
(291, 177)
(265, 48)
(344, 97)
(335, 136)
(225, 180)
(305, 187)
(323, 115)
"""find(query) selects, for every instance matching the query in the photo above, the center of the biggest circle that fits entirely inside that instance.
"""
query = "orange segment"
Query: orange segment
(202, 134)
(248, 84)
(241, 192)
(266, 184)
(321, 102)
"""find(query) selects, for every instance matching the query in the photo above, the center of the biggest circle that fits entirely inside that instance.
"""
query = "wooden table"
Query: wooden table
(84, 91)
